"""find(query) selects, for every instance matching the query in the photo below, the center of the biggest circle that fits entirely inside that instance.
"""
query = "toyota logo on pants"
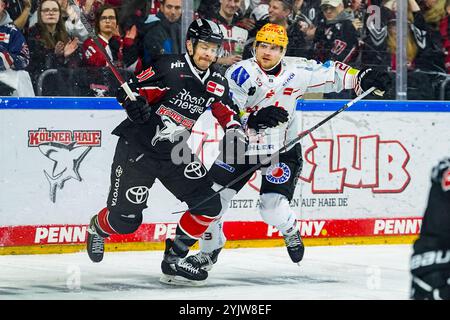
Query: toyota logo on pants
(137, 195)
(195, 170)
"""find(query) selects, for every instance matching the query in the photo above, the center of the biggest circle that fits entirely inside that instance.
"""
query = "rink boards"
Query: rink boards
(365, 176)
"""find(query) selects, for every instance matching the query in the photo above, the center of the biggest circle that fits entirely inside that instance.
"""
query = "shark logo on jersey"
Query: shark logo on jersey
(168, 132)
(240, 75)
(67, 160)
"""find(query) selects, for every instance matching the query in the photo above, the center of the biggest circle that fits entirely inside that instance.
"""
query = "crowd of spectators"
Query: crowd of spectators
(46, 50)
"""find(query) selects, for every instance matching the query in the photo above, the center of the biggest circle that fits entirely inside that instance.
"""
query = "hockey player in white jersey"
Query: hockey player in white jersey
(266, 89)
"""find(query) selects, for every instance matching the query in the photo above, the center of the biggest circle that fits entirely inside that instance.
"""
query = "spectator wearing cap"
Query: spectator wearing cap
(163, 36)
(14, 58)
(336, 38)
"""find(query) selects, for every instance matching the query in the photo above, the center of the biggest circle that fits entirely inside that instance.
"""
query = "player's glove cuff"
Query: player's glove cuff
(368, 78)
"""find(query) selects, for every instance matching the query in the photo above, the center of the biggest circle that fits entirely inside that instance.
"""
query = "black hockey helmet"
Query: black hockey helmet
(205, 30)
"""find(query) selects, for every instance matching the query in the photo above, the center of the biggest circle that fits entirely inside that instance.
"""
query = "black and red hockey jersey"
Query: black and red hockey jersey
(336, 40)
(179, 94)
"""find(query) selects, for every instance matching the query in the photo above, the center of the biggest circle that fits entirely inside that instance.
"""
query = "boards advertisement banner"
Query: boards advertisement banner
(365, 172)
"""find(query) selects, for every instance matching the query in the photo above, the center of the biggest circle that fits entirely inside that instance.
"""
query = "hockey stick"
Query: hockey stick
(113, 68)
(281, 150)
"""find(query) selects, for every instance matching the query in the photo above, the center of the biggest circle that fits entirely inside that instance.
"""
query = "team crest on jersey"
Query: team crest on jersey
(278, 173)
(446, 180)
(215, 88)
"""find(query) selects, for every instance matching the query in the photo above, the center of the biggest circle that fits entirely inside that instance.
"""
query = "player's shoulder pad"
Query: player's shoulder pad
(239, 72)
(161, 66)
(441, 174)
(217, 76)
(168, 61)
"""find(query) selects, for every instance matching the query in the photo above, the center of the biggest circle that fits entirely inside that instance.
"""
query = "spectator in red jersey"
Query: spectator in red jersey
(50, 44)
(122, 51)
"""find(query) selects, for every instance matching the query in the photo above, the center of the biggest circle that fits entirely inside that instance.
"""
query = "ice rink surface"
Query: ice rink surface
(372, 272)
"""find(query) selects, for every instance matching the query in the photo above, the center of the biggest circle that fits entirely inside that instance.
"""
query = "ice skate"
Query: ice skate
(95, 242)
(178, 271)
(204, 260)
(295, 247)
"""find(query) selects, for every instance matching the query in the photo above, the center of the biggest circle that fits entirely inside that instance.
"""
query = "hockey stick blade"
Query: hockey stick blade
(102, 50)
(281, 150)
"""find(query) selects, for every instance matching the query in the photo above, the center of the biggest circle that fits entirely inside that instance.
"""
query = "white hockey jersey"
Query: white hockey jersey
(253, 89)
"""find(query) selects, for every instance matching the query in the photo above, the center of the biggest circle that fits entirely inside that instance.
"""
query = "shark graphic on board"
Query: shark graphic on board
(67, 160)
(168, 132)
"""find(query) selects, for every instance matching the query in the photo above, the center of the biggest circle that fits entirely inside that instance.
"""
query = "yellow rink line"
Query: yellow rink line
(144, 246)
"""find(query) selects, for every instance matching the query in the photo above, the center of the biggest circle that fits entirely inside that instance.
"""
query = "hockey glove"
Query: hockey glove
(430, 275)
(233, 145)
(138, 111)
(267, 117)
(369, 78)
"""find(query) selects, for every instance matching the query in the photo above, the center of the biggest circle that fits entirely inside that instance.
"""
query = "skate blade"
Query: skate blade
(180, 281)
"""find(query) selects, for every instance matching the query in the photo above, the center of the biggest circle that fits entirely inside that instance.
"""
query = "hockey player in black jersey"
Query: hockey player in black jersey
(170, 97)
(430, 262)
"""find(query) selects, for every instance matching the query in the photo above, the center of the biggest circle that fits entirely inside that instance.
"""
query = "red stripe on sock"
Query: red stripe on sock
(103, 223)
(194, 225)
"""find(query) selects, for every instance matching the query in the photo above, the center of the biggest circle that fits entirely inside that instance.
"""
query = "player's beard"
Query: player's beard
(270, 67)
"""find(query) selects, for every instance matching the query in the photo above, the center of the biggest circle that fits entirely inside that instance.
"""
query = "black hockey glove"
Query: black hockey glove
(369, 78)
(267, 117)
(138, 111)
(233, 145)
(430, 275)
